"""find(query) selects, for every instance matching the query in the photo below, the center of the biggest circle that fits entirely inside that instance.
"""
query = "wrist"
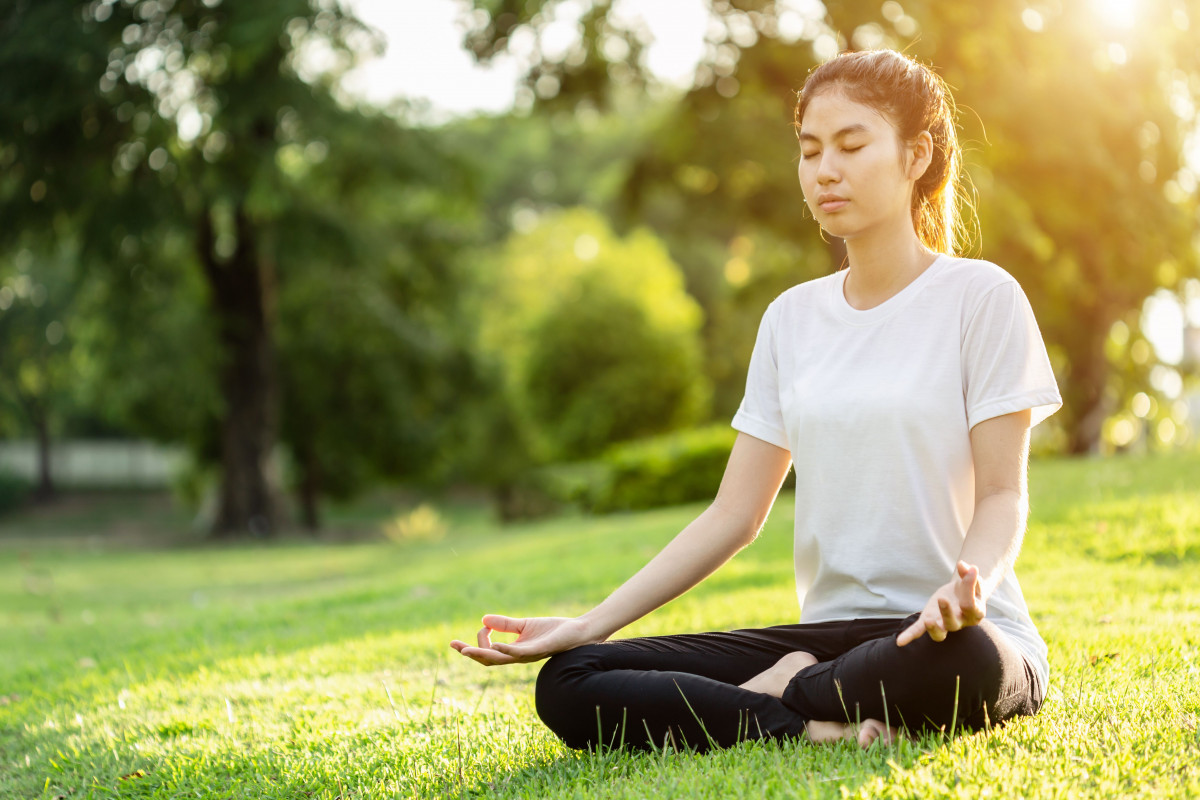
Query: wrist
(594, 629)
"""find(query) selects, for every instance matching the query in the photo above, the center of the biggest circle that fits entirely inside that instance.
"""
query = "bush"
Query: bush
(14, 491)
(665, 470)
(421, 524)
(682, 467)
(595, 334)
(601, 372)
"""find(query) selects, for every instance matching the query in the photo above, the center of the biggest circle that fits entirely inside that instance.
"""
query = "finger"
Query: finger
(507, 649)
(969, 580)
(951, 621)
(935, 628)
(484, 637)
(487, 656)
(499, 622)
(962, 568)
(911, 633)
(967, 590)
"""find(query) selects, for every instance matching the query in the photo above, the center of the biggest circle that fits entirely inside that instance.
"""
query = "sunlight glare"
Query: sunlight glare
(1117, 13)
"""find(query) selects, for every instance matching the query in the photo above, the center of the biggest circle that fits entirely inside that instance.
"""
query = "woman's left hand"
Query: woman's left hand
(957, 605)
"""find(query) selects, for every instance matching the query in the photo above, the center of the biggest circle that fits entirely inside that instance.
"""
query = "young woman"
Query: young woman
(902, 389)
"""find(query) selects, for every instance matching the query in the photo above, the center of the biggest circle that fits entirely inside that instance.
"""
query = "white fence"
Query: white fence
(97, 464)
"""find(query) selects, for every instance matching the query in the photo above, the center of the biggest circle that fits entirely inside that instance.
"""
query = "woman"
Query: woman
(903, 389)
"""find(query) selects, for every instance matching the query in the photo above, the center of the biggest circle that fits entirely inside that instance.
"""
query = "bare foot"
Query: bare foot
(866, 734)
(775, 679)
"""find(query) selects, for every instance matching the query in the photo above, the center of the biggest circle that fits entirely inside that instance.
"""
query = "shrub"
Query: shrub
(601, 372)
(595, 334)
(682, 467)
(14, 491)
(665, 470)
(421, 524)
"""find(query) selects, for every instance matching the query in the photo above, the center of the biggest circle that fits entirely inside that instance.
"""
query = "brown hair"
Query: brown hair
(915, 99)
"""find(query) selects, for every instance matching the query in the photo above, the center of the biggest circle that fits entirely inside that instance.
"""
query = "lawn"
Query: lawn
(303, 669)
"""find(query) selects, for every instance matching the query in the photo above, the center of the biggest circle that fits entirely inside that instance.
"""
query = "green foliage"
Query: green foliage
(263, 261)
(361, 384)
(600, 372)
(682, 467)
(144, 674)
(1095, 112)
(148, 356)
(39, 352)
(14, 490)
(421, 524)
(597, 335)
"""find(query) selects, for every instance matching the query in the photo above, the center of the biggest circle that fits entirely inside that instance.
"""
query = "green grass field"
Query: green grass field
(320, 669)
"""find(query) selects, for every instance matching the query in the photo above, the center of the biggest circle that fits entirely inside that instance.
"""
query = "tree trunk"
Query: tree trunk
(45, 486)
(1083, 389)
(242, 301)
(310, 490)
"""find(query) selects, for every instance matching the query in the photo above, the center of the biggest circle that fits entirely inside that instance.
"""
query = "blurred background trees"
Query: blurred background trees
(313, 295)
(1075, 115)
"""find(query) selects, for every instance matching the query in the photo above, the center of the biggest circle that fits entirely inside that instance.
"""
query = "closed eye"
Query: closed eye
(816, 153)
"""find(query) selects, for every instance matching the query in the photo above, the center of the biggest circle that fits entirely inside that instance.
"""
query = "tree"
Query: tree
(201, 152)
(36, 360)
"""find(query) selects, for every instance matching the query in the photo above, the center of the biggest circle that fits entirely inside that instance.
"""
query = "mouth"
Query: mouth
(833, 205)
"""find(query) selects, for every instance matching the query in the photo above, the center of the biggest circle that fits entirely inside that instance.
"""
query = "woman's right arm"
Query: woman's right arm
(751, 482)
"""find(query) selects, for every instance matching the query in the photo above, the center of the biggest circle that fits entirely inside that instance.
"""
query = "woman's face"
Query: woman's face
(852, 152)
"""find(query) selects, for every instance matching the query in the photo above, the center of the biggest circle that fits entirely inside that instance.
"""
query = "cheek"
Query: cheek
(804, 171)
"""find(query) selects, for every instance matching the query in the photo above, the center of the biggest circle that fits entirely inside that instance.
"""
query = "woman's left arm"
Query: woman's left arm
(1000, 452)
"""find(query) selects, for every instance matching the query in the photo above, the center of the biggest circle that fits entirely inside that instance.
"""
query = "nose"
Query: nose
(827, 171)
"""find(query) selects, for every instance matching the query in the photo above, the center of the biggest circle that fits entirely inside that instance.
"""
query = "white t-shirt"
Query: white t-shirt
(876, 406)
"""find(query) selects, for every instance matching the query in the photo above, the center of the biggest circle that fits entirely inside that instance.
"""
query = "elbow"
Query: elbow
(1003, 493)
(742, 527)
(1004, 497)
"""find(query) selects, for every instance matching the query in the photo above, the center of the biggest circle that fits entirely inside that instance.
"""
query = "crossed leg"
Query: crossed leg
(682, 689)
(644, 692)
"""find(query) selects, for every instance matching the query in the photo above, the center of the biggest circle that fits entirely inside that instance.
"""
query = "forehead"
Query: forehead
(831, 115)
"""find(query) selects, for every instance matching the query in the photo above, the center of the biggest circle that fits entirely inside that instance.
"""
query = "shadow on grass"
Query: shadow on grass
(771, 767)
(379, 766)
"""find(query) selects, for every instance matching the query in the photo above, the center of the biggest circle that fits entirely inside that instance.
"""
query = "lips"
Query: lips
(831, 202)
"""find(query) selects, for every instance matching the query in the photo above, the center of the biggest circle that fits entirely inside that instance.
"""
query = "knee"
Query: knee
(963, 673)
(977, 657)
(969, 654)
(557, 695)
(561, 670)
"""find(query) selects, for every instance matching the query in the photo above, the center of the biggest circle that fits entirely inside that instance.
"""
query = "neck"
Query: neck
(880, 269)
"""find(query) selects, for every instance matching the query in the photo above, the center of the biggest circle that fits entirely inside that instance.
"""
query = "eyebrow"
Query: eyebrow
(857, 127)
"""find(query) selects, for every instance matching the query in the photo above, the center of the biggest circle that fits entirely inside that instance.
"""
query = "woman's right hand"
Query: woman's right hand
(538, 638)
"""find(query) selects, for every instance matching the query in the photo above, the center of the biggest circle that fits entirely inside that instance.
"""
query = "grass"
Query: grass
(323, 669)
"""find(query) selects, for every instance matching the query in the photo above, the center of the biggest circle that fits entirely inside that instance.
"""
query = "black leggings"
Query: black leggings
(643, 693)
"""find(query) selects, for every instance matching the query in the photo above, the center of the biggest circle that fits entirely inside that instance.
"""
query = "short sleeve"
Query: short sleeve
(1004, 360)
(760, 413)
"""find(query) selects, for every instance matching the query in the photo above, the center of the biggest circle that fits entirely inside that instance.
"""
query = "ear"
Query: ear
(920, 155)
